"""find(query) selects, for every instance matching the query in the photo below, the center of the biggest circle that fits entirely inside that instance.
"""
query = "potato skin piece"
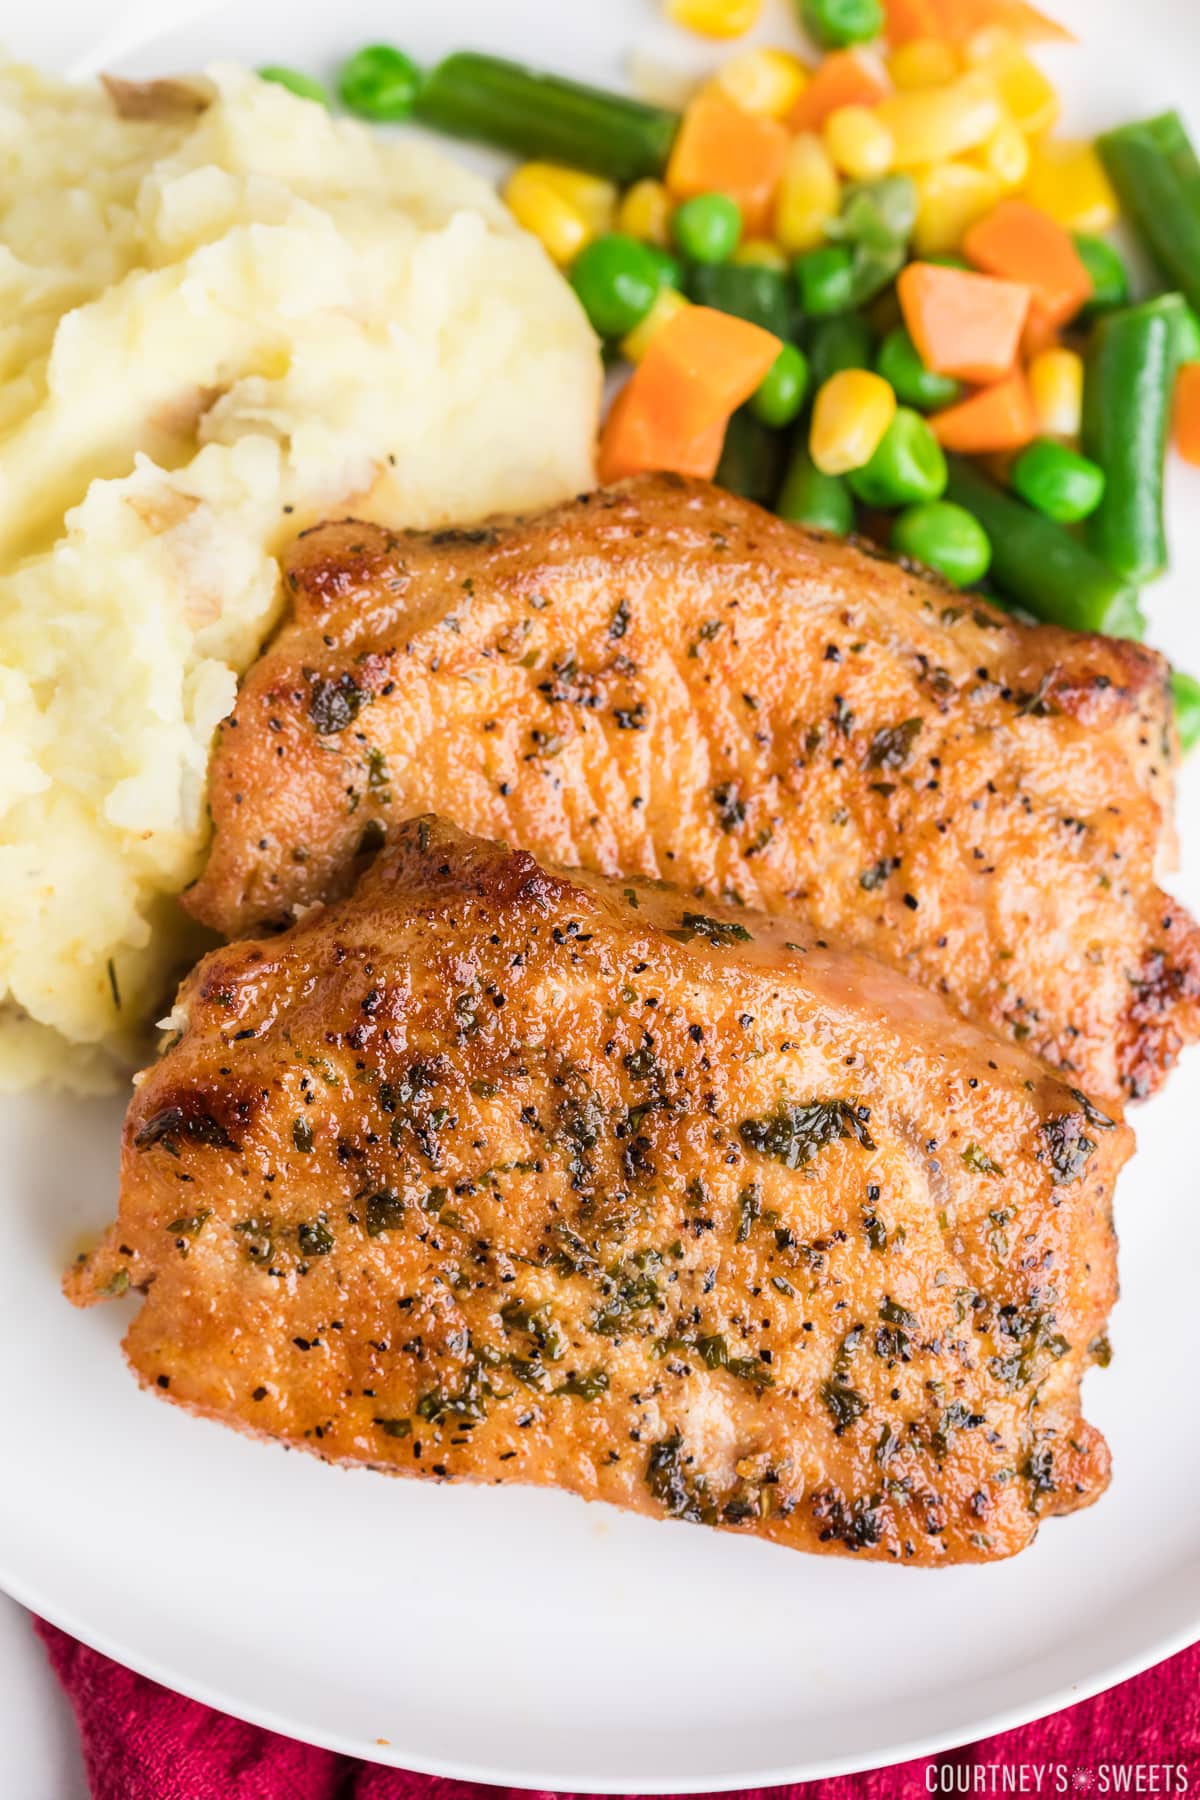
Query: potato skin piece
(661, 679)
(502, 1173)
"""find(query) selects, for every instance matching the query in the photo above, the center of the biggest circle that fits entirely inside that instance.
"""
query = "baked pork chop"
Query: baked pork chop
(501, 1173)
(663, 680)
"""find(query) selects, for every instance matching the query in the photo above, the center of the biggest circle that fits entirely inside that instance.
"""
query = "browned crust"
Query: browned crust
(1026, 819)
(481, 1088)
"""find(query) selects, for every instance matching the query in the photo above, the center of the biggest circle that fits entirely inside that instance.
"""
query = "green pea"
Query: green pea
(946, 538)
(807, 497)
(296, 82)
(783, 389)
(707, 228)
(1058, 482)
(617, 279)
(908, 466)
(1110, 277)
(1185, 690)
(825, 279)
(899, 362)
(835, 23)
(843, 342)
(379, 82)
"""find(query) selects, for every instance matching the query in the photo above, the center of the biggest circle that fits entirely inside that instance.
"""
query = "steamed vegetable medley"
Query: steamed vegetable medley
(867, 287)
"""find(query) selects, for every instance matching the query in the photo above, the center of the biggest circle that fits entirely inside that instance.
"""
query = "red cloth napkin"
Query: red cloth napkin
(141, 1742)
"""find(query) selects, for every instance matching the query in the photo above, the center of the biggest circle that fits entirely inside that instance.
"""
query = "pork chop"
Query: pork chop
(499, 1173)
(664, 680)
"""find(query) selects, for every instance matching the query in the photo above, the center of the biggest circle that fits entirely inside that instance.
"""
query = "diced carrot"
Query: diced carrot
(673, 411)
(1025, 21)
(1020, 242)
(1040, 334)
(997, 418)
(961, 19)
(1187, 413)
(631, 442)
(721, 148)
(701, 367)
(908, 20)
(847, 78)
(963, 324)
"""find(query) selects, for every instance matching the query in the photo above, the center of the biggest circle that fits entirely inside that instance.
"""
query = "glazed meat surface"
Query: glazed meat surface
(500, 1173)
(664, 680)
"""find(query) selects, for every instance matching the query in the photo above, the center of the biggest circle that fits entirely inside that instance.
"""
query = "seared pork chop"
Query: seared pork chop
(500, 1173)
(664, 680)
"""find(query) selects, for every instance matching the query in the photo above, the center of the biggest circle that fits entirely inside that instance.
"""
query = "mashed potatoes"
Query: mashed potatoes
(217, 324)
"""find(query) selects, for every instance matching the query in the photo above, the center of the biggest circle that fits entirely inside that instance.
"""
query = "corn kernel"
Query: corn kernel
(715, 18)
(590, 195)
(761, 253)
(859, 143)
(809, 195)
(931, 125)
(951, 197)
(765, 81)
(645, 213)
(1006, 155)
(851, 415)
(1056, 382)
(1068, 181)
(1029, 97)
(923, 63)
(667, 303)
(536, 203)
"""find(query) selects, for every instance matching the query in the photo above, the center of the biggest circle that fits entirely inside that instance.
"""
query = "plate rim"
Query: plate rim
(563, 1781)
(135, 25)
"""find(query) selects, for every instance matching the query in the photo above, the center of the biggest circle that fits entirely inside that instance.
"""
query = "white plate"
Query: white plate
(526, 1638)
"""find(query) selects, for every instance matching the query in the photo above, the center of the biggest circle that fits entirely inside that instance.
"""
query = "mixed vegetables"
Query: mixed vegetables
(869, 289)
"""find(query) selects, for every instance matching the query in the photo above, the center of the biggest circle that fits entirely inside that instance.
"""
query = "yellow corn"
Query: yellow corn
(645, 213)
(923, 63)
(1056, 382)
(1068, 181)
(715, 18)
(761, 253)
(1028, 96)
(537, 204)
(590, 195)
(1006, 155)
(764, 81)
(809, 195)
(859, 143)
(930, 125)
(852, 413)
(951, 196)
(668, 301)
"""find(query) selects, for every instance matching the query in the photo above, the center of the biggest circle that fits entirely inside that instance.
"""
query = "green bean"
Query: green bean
(1156, 173)
(545, 116)
(843, 342)
(1039, 565)
(748, 291)
(1185, 691)
(752, 459)
(822, 502)
(1126, 422)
